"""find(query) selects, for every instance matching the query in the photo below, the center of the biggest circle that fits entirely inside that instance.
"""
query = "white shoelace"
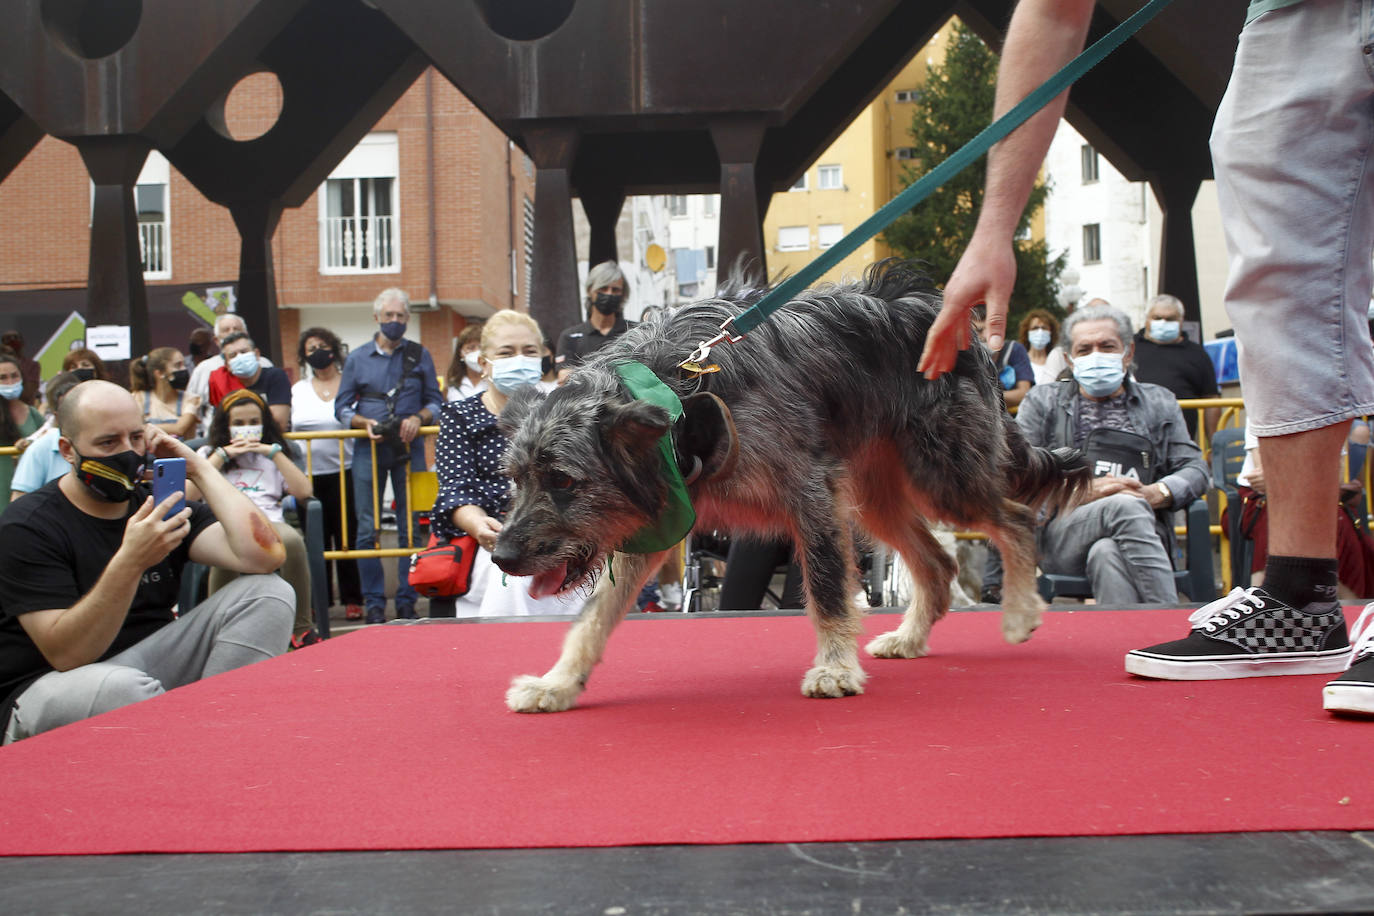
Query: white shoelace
(1232, 607)
(1362, 634)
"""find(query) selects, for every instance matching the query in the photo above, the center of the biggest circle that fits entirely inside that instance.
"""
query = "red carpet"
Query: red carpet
(692, 731)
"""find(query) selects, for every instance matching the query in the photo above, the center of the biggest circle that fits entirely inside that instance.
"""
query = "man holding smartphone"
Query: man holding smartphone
(92, 569)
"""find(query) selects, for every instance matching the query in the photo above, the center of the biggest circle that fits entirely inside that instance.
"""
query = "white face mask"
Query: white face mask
(246, 433)
(1039, 338)
(512, 372)
(1163, 330)
(471, 358)
(1099, 374)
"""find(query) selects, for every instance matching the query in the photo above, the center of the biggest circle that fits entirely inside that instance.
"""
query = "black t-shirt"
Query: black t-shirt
(581, 340)
(1184, 368)
(52, 558)
(274, 385)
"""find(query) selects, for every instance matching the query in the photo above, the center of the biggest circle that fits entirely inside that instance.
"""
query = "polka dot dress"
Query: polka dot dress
(468, 462)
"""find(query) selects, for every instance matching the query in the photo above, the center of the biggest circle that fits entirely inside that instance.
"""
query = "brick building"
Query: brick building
(434, 200)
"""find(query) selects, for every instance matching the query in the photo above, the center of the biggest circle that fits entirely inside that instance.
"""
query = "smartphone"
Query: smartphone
(169, 476)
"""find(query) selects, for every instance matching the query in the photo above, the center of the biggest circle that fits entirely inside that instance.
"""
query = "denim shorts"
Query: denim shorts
(1291, 149)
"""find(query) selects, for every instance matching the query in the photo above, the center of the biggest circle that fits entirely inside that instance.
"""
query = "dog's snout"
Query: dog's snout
(506, 554)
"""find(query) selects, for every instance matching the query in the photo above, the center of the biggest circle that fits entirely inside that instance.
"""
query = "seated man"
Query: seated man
(244, 367)
(1144, 461)
(91, 570)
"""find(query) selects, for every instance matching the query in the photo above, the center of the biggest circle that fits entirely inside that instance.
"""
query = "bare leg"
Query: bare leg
(586, 641)
(1303, 474)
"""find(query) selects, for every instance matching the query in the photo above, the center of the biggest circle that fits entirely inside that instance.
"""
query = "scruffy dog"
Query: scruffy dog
(815, 425)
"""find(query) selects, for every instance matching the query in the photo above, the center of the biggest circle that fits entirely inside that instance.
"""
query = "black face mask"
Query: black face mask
(320, 359)
(607, 304)
(179, 379)
(545, 365)
(84, 375)
(111, 477)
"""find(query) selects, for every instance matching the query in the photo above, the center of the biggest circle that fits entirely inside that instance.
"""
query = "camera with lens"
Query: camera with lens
(389, 429)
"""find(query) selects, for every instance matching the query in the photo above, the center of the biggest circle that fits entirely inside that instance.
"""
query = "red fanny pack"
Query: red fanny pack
(444, 568)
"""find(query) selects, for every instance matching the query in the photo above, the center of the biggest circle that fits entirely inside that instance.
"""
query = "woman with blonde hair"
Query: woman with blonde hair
(473, 493)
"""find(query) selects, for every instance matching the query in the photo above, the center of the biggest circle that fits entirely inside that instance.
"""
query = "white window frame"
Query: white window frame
(908, 95)
(801, 184)
(830, 177)
(156, 171)
(794, 233)
(1089, 164)
(1092, 243)
(828, 234)
(375, 156)
(678, 206)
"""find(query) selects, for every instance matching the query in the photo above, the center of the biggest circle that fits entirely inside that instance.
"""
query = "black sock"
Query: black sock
(1297, 581)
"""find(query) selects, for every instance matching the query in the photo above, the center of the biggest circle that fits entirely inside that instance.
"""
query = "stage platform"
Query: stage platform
(1328, 868)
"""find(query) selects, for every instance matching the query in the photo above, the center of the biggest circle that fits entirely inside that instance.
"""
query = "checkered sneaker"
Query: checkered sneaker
(1250, 633)
(1353, 691)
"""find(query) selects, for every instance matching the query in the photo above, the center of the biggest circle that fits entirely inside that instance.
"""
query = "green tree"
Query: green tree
(955, 104)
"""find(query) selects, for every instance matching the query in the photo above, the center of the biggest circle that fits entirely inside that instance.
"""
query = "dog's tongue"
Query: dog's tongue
(547, 583)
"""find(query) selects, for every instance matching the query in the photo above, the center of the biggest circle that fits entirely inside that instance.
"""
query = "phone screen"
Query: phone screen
(169, 476)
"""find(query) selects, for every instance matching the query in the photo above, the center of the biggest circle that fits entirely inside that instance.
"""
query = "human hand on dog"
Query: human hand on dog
(486, 531)
(985, 274)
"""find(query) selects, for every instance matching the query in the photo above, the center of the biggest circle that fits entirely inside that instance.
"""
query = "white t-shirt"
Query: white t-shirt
(257, 477)
(465, 388)
(1055, 363)
(311, 413)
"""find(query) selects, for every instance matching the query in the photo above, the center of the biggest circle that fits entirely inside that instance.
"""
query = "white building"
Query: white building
(667, 247)
(1110, 229)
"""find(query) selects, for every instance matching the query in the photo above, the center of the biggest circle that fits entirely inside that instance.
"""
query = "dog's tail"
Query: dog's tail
(1042, 477)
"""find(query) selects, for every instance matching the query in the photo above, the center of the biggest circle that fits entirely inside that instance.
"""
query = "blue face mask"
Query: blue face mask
(11, 392)
(514, 372)
(393, 330)
(1099, 374)
(1164, 331)
(244, 365)
(1039, 338)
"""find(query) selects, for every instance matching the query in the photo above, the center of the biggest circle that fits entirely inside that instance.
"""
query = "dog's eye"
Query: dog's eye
(557, 480)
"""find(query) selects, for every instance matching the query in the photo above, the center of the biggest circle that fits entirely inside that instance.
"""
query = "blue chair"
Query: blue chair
(1228, 457)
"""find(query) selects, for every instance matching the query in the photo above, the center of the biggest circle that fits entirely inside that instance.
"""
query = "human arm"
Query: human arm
(242, 539)
(1016, 394)
(1019, 360)
(1042, 37)
(80, 634)
(431, 398)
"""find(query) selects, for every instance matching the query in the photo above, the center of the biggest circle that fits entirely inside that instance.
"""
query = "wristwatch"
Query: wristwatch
(1168, 497)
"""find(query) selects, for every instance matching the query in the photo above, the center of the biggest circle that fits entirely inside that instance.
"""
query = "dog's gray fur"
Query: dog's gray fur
(817, 424)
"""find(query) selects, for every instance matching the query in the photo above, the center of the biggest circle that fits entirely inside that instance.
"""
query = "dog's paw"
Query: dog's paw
(528, 693)
(1018, 627)
(895, 645)
(833, 681)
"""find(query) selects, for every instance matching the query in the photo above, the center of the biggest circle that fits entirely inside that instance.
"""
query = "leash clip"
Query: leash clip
(696, 362)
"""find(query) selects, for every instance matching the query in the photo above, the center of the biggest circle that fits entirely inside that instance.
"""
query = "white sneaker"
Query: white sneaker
(1354, 690)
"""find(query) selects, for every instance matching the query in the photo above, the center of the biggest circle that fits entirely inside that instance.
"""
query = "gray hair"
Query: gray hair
(243, 325)
(391, 294)
(604, 274)
(1103, 312)
(1166, 299)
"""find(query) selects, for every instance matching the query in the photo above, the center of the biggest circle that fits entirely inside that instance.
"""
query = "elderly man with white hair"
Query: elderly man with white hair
(1145, 464)
(389, 388)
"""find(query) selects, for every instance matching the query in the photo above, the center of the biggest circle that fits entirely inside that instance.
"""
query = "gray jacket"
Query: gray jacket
(1046, 417)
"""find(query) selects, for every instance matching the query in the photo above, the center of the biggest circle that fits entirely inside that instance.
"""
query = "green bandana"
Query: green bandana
(677, 517)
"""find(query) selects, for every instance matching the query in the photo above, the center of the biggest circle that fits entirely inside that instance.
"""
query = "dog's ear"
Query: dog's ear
(634, 427)
(518, 407)
(709, 434)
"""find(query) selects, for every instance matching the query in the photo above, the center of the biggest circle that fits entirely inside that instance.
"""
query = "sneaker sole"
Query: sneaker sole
(1226, 667)
(1349, 696)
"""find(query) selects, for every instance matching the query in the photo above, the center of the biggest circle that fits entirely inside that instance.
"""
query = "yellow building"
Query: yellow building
(857, 174)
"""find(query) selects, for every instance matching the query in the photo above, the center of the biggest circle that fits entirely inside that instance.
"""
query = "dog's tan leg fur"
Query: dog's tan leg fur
(1021, 601)
(559, 689)
(931, 572)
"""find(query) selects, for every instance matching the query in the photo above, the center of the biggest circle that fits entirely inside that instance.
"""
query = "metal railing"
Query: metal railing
(358, 242)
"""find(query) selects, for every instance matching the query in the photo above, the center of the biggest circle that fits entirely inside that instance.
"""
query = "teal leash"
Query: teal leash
(734, 329)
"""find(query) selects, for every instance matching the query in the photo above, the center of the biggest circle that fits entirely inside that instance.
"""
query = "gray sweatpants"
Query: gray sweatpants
(1114, 543)
(246, 621)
